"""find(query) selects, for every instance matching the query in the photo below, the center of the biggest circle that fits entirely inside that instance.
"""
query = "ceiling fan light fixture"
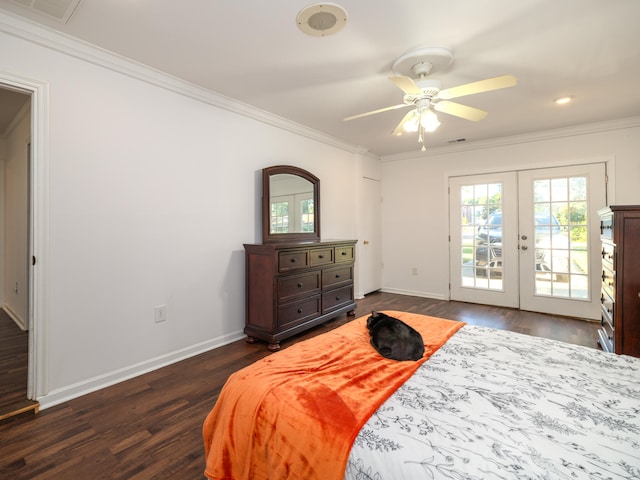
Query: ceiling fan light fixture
(321, 19)
(412, 124)
(429, 121)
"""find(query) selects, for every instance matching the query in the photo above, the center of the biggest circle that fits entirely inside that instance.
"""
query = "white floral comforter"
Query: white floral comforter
(492, 404)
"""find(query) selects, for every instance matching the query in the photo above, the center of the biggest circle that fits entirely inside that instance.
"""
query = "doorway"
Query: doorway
(528, 239)
(37, 139)
(15, 131)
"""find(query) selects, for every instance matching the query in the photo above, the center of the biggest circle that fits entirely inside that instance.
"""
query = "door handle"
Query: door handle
(366, 242)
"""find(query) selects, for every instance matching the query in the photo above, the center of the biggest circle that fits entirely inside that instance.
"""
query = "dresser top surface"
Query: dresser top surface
(288, 246)
(619, 208)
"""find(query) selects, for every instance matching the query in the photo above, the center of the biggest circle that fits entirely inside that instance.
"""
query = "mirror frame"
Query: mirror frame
(267, 236)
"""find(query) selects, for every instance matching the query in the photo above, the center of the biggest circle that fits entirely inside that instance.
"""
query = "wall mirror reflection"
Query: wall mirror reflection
(290, 204)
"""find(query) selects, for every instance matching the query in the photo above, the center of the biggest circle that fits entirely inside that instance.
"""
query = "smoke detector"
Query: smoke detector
(321, 19)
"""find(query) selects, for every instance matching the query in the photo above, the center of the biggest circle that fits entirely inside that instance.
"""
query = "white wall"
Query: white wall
(151, 196)
(415, 208)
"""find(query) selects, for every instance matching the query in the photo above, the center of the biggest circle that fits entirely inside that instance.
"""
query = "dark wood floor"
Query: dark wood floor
(150, 427)
(14, 344)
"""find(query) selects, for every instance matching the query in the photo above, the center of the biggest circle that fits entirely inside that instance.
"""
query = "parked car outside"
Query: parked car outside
(489, 244)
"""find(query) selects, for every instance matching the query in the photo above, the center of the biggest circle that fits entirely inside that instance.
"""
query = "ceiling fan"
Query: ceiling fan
(426, 94)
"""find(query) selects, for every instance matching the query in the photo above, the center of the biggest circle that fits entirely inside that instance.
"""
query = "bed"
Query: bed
(481, 404)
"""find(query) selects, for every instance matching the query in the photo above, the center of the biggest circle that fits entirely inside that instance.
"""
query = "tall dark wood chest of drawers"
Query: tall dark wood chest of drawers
(293, 287)
(620, 295)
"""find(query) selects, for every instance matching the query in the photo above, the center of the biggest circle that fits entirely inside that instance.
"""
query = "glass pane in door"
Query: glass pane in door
(481, 235)
(560, 237)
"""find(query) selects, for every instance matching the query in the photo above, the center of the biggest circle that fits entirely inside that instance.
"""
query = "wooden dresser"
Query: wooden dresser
(293, 287)
(620, 296)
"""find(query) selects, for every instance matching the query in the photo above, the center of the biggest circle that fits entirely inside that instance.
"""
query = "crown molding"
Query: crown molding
(46, 37)
(571, 131)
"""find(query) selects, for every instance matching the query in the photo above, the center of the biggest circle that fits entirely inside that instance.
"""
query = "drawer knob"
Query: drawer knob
(299, 310)
(337, 299)
(300, 285)
(293, 260)
(320, 256)
(337, 275)
(344, 254)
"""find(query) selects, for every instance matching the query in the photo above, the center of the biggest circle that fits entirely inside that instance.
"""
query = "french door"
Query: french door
(528, 239)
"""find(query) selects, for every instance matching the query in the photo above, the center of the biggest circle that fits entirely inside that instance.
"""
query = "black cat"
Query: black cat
(393, 338)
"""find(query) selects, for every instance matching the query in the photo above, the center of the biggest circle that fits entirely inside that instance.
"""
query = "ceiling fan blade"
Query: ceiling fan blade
(399, 130)
(487, 85)
(459, 110)
(406, 84)
(375, 111)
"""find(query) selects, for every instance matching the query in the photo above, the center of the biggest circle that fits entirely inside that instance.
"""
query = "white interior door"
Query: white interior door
(369, 256)
(528, 239)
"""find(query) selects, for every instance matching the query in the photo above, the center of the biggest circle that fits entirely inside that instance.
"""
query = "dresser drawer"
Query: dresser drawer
(297, 313)
(607, 305)
(322, 256)
(293, 260)
(608, 255)
(293, 286)
(608, 282)
(606, 334)
(337, 298)
(334, 277)
(606, 226)
(345, 254)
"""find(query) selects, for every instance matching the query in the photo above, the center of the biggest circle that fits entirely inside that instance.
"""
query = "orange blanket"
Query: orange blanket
(296, 413)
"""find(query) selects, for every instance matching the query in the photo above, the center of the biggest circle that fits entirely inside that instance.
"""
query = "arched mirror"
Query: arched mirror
(290, 205)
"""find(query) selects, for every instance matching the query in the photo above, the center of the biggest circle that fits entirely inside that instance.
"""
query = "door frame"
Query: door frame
(609, 165)
(37, 384)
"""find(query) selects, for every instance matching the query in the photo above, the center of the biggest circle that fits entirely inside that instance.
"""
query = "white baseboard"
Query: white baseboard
(15, 317)
(435, 296)
(70, 392)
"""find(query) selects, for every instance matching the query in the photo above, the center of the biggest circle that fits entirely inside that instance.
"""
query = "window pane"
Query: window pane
(481, 228)
(561, 237)
(280, 217)
(578, 188)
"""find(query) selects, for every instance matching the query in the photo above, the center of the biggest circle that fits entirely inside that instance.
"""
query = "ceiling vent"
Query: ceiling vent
(59, 9)
(321, 19)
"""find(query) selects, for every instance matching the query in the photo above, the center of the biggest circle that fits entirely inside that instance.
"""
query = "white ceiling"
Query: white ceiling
(252, 51)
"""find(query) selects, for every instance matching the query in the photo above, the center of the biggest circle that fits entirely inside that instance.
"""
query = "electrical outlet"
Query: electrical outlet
(160, 313)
